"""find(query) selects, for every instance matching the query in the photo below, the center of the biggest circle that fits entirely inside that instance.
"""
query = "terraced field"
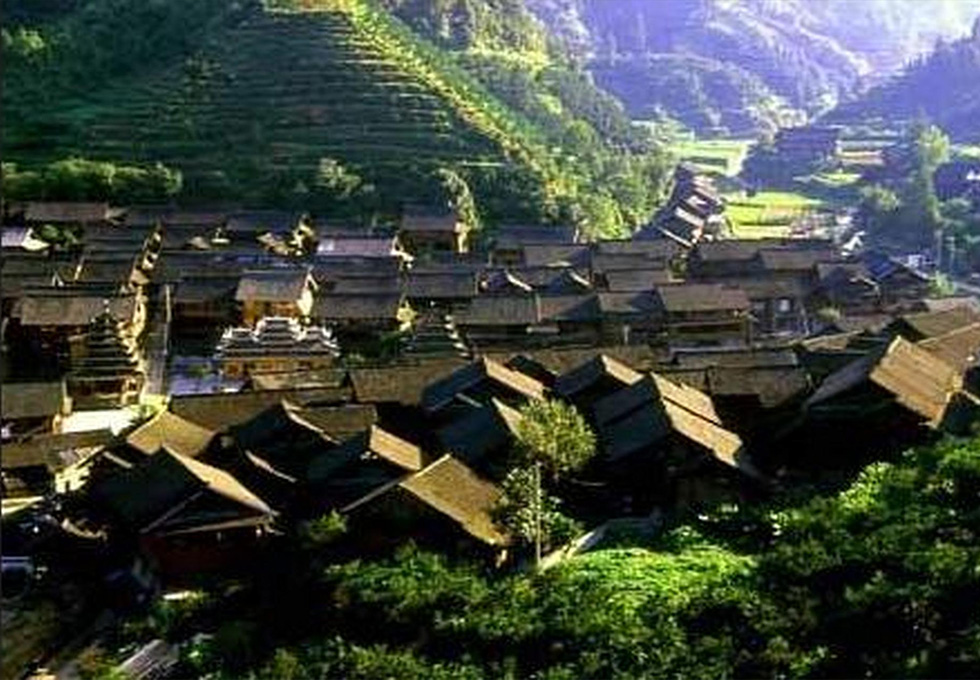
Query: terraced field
(264, 100)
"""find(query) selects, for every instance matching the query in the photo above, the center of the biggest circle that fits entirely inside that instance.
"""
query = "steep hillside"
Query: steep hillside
(810, 54)
(620, 174)
(945, 87)
(261, 103)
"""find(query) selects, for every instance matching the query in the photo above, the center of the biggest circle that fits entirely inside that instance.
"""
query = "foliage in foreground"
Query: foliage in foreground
(879, 580)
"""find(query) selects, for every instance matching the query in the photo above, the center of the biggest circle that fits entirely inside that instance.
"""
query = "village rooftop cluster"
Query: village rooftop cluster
(289, 368)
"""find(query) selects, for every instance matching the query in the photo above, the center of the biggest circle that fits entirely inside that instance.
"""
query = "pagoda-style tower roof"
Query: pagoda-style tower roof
(277, 336)
(436, 335)
(110, 362)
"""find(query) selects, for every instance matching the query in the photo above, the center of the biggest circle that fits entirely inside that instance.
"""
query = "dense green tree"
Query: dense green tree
(554, 435)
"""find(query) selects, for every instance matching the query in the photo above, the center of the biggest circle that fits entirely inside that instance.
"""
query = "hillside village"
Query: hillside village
(258, 368)
(276, 368)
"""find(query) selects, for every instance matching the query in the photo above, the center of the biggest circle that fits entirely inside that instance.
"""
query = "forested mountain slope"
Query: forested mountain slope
(945, 87)
(262, 103)
(719, 65)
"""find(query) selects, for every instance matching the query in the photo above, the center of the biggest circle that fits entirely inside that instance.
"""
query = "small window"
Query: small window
(785, 305)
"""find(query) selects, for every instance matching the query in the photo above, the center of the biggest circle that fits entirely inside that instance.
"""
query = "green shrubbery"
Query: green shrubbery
(77, 179)
(880, 580)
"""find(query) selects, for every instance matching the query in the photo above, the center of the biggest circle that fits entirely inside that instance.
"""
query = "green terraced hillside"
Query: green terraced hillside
(262, 99)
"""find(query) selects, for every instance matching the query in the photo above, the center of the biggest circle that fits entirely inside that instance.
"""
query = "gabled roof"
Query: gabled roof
(340, 422)
(610, 262)
(702, 297)
(151, 496)
(453, 490)
(440, 393)
(661, 249)
(515, 235)
(272, 285)
(71, 308)
(361, 285)
(373, 443)
(38, 211)
(55, 451)
(367, 306)
(172, 432)
(960, 348)
(202, 289)
(34, 399)
(540, 254)
(917, 379)
(588, 373)
(932, 324)
(218, 412)
(581, 308)
(793, 259)
(400, 384)
(481, 431)
(644, 303)
(440, 285)
(259, 221)
(499, 310)
(637, 280)
(640, 415)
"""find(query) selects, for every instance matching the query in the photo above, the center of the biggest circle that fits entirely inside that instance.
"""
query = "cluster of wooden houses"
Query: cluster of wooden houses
(164, 275)
(707, 368)
(417, 451)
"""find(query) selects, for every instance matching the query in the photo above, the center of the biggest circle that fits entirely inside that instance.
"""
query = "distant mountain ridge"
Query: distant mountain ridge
(743, 58)
(944, 87)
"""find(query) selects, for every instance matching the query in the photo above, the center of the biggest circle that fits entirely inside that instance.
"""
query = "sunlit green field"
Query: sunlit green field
(721, 156)
(768, 214)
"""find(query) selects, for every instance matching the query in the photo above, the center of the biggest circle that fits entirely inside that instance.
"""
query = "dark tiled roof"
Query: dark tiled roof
(636, 280)
(336, 307)
(66, 212)
(258, 221)
(205, 289)
(662, 249)
(499, 310)
(959, 348)
(917, 379)
(582, 308)
(75, 308)
(284, 285)
(372, 443)
(640, 415)
(353, 285)
(440, 393)
(645, 304)
(173, 432)
(932, 324)
(792, 259)
(400, 384)
(34, 399)
(556, 254)
(218, 412)
(512, 235)
(453, 490)
(697, 297)
(593, 370)
(607, 262)
(145, 497)
(438, 285)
